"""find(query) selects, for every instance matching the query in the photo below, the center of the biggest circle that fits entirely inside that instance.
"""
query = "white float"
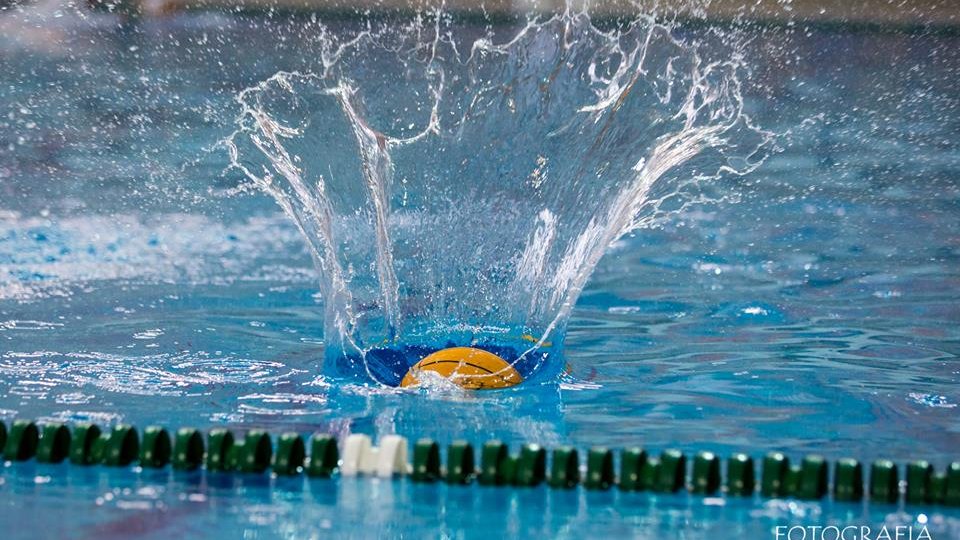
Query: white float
(361, 457)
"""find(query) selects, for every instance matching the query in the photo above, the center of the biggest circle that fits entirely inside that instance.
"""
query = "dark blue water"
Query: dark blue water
(813, 309)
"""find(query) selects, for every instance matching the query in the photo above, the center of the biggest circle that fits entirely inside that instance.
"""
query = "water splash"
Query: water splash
(458, 184)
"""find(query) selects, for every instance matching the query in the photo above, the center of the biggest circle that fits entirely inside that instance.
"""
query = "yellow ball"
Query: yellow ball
(467, 367)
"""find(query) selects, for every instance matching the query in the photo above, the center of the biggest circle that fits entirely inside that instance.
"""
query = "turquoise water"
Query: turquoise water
(817, 312)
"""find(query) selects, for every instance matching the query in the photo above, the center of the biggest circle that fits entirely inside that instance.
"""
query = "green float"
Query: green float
(919, 474)
(632, 463)
(54, 446)
(951, 495)
(775, 469)
(155, 448)
(252, 454)
(493, 461)
(22, 441)
(219, 446)
(673, 471)
(741, 477)
(291, 453)
(188, 450)
(847, 480)
(812, 483)
(706, 474)
(119, 448)
(460, 467)
(884, 481)
(531, 466)
(324, 456)
(565, 468)
(599, 469)
(82, 443)
(426, 461)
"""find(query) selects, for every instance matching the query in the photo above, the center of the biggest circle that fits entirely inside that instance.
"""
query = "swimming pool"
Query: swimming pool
(816, 314)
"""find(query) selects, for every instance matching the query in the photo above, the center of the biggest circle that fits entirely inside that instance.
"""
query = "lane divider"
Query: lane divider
(222, 452)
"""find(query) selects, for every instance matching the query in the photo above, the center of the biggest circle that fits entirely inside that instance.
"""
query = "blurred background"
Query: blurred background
(905, 12)
(935, 12)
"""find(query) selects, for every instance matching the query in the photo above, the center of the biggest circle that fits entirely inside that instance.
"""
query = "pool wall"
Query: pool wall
(940, 13)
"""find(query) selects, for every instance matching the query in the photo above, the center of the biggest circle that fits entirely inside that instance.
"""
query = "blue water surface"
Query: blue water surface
(815, 309)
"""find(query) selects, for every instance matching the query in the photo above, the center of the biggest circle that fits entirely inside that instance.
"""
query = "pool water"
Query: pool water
(816, 312)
